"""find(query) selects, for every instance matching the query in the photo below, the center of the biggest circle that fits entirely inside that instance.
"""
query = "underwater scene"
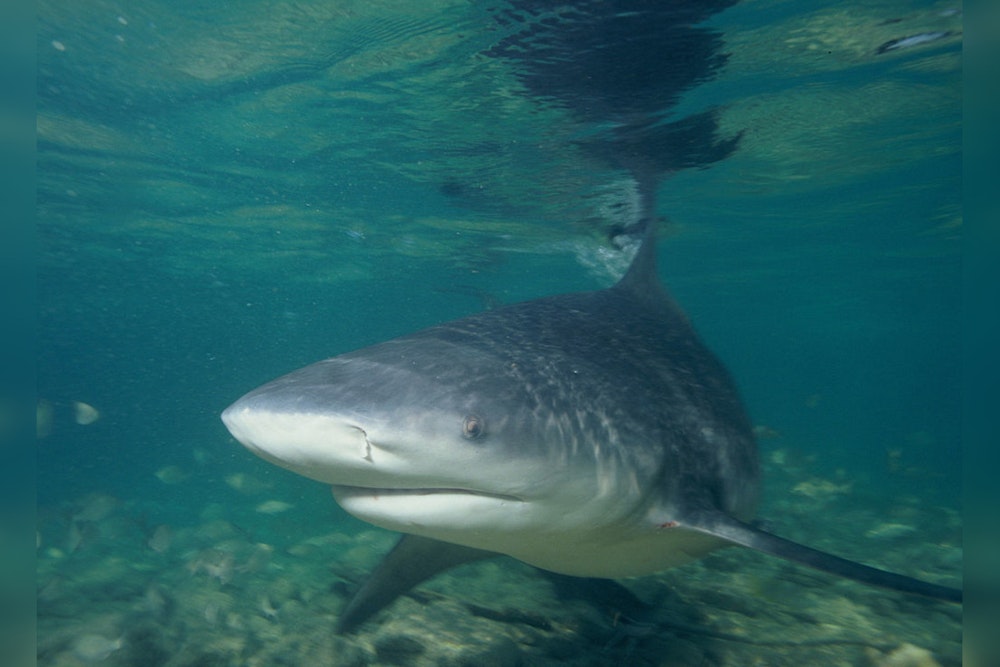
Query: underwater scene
(229, 192)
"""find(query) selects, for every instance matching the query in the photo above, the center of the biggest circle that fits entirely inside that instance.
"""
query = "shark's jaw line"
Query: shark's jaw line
(344, 491)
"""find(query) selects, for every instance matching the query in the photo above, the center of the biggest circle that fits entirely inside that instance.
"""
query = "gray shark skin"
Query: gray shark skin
(589, 434)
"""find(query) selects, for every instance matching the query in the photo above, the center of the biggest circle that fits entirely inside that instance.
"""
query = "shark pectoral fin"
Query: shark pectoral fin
(413, 560)
(726, 527)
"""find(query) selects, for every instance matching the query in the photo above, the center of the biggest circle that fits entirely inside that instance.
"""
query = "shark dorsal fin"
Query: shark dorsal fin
(641, 275)
(641, 280)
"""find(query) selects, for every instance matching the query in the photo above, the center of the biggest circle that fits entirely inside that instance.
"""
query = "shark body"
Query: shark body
(590, 434)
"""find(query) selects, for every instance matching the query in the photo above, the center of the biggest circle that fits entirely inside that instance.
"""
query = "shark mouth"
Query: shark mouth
(343, 492)
(431, 512)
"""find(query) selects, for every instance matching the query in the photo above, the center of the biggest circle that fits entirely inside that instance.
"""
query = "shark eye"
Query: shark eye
(473, 428)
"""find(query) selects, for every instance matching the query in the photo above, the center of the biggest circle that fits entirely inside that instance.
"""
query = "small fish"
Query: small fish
(891, 530)
(247, 484)
(171, 475)
(81, 534)
(95, 648)
(49, 414)
(154, 601)
(274, 507)
(913, 40)
(95, 507)
(267, 609)
(259, 559)
(212, 613)
(84, 414)
(161, 539)
(214, 563)
(821, 488)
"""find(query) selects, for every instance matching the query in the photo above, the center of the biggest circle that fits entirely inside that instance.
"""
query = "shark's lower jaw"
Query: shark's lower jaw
(342, 491)
(409, 510)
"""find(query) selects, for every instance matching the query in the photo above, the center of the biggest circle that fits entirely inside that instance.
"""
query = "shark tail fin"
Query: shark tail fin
(732, 530)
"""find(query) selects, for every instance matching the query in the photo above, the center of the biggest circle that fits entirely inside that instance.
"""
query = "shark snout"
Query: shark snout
(234, 418)
(317, 445)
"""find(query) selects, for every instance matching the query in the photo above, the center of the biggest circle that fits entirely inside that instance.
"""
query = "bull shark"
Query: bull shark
(589, 434)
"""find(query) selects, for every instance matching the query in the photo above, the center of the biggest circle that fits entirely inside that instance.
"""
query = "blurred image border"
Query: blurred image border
(17, 329)
(981, 437)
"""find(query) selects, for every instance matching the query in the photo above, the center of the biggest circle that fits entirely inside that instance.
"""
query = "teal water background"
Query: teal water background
(229, 192)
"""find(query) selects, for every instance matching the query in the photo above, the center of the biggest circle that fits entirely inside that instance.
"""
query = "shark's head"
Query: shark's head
(425, 436)
(428, 436)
